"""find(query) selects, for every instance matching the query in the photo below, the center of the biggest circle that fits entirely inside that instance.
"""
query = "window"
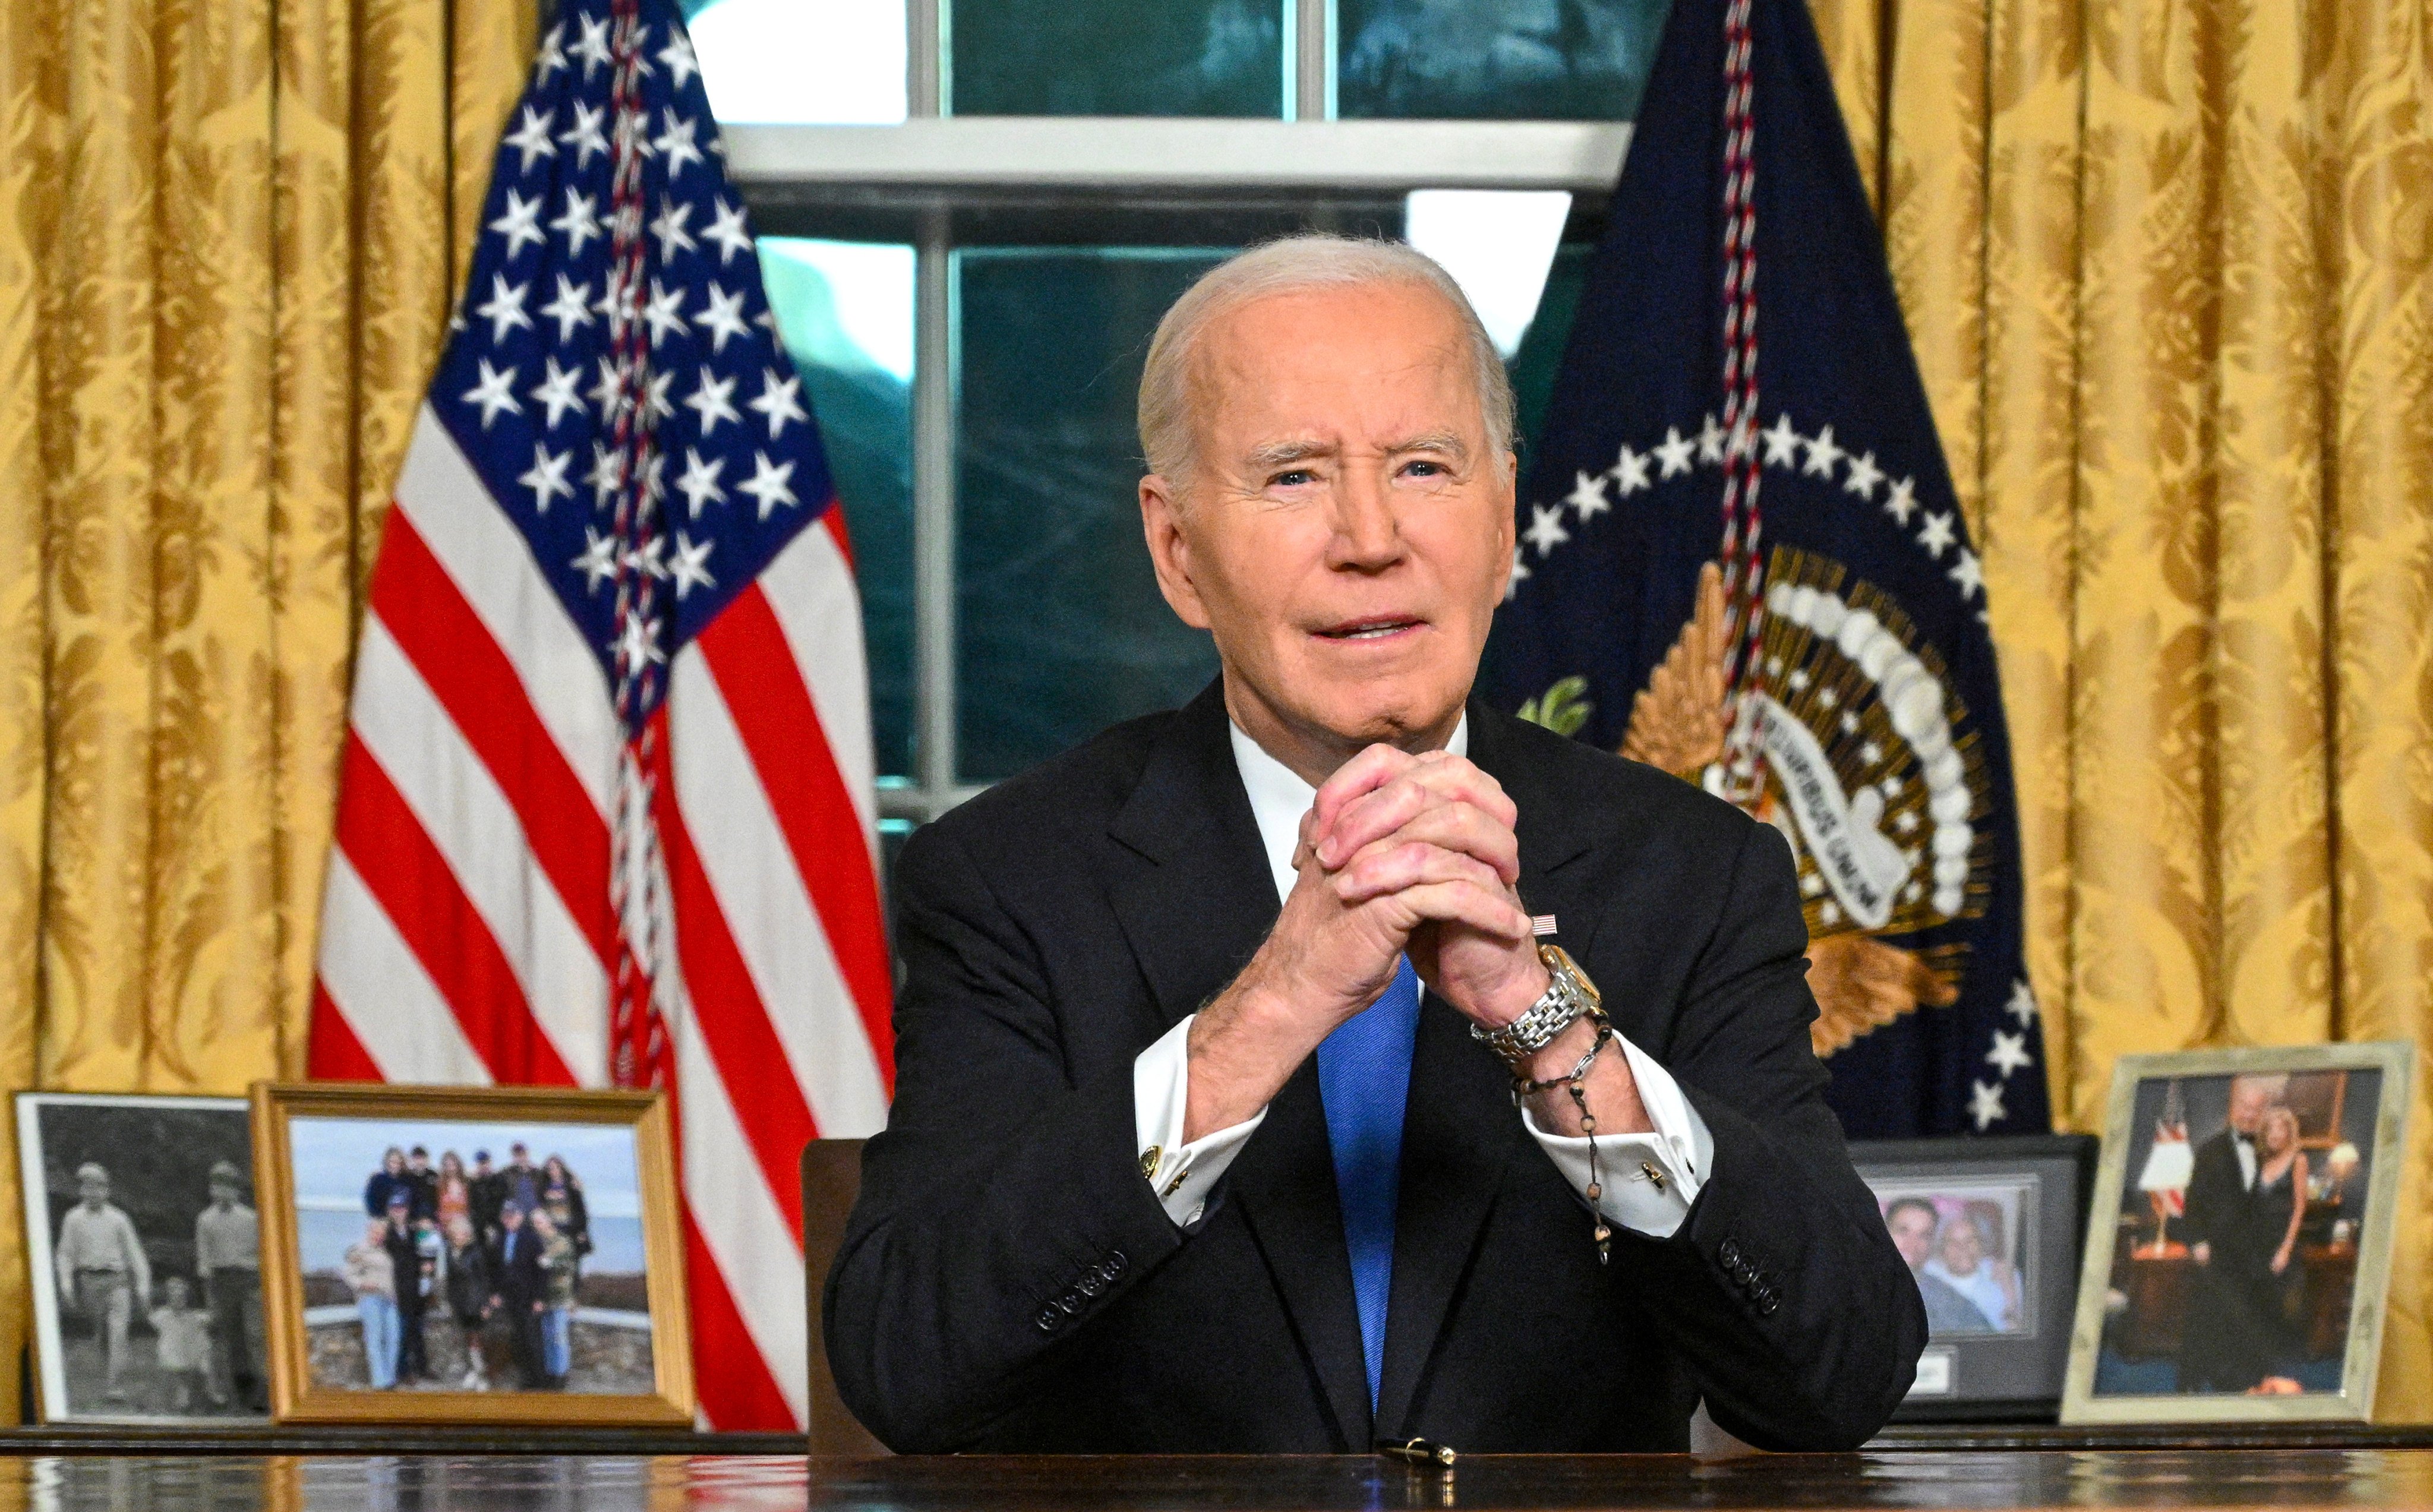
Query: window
(973, 214)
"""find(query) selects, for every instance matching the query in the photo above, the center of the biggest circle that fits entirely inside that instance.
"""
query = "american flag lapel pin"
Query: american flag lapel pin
(1542, 925)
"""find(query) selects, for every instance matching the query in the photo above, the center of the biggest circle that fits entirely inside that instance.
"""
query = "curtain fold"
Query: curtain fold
(2165, 265)
(228, 238)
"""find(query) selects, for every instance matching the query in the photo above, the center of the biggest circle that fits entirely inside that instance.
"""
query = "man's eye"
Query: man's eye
(1293, 479)
(1424, 469)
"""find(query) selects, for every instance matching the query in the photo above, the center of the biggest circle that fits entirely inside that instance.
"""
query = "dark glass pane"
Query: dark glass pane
(844, 310)
(1060, 628)
(1504, 59)
(1117, 57)
(1534, 366)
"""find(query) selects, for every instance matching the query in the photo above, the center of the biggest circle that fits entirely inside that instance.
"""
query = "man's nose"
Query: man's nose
(1367, 533)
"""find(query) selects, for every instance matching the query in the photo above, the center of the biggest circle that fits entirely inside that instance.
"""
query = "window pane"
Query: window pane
(812, 62)
(844, 310)
(1061, 631)
(1117, 57)
(1533, 367)
(1473, 59)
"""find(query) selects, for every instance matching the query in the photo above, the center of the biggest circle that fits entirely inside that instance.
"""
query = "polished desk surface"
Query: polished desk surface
(2012, 1478)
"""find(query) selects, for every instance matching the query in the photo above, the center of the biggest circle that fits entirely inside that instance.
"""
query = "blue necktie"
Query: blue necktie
(1364, 1079)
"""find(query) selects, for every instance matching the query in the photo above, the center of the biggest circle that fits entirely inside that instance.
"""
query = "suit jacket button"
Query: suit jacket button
(1115, 1262)
(1767, 1303)
(1090, 1285)
(1069, 1303)
(1048, 1319)
(1729, 1255)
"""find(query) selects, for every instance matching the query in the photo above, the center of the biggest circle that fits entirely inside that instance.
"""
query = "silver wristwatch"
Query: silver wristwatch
(1568, 995)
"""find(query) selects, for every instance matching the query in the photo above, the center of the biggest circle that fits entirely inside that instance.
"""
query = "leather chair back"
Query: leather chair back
(831, 1181)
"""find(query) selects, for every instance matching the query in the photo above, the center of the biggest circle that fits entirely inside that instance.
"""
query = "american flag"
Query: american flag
(606, 814)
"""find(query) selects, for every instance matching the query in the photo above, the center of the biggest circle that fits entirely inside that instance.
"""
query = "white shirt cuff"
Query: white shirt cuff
(1680, 1152)
(1182, 1174)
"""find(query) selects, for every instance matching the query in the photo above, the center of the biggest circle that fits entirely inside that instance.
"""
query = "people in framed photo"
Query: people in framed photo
(2248, 1199)
(144, 1251)
(1989, 1228)
(459, 1253)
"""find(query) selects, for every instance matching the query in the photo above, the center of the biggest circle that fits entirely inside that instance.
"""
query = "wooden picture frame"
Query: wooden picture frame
(555, 1362)
(165, 1336)
(2207, 1266)
(2024, 1197)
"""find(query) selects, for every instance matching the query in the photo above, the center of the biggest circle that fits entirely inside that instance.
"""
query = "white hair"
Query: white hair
(1289, 265)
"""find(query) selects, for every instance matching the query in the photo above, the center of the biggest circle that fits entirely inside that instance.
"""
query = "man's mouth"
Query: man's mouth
(1380, 627)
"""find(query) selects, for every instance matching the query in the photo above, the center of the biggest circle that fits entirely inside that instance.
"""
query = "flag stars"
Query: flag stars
(609, 392)
(777, 402)
(636, 646)
(521, 224)
(1546, 530)
(593, 47)
(1630, 470)
(675, 143)
(1986, 1104)
(1519, 576)
(711, 401)
(770, 483)
(505, 310)
(1711, 442)
(494, 392)
(678, 56)
(691, 569)
(546, 477)
(531, 139)
(727, 230)
(1780, 442)
(2009, 1054)
(1863, 477)
(580, 222)
(570, 308)
(1587, 496)
(699, 481)
(598, 563)
(1935, 534)
(2022, 1005)
(1823, 454)
(654, 396)
(1677, 452)
(556, 391)
(666, 312)
(608, 474)
(1970, 573)
(723, 318)
(585, 136)
(669, 228)
(1900, 502)
(553, 55)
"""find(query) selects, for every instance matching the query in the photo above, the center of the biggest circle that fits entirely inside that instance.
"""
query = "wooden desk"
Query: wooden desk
(1904, 1478)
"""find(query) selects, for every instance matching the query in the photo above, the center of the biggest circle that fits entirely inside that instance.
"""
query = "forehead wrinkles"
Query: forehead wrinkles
(1226, 364)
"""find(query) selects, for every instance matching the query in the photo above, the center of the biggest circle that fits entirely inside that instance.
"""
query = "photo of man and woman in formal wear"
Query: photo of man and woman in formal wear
(146, 1253)
(2235, 1255)
(443, 1255)
(1969, 1246)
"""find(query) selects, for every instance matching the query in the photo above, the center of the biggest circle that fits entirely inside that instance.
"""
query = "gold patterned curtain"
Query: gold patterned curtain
(229, 233)
(2165, 263)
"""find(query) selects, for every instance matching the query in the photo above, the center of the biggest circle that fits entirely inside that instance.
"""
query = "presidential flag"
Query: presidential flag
(1740, 558)
(606, 816)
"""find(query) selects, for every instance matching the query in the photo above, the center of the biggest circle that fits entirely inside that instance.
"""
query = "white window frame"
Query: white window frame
(1306, 151)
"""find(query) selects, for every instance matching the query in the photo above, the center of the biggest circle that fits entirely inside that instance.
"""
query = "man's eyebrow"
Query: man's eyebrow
(1445, 441)
(1276, 453)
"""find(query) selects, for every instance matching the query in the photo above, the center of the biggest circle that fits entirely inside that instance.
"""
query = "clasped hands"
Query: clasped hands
(1398, 855)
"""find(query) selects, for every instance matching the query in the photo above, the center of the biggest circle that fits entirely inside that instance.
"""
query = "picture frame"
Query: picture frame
(574, 1316)
(143, 1258)
(2010, 1213)
(2222, 1286)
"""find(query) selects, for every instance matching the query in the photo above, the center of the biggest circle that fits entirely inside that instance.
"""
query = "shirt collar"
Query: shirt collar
(1279, 797)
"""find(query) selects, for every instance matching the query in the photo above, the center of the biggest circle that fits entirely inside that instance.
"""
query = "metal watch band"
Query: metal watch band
(1569, 994)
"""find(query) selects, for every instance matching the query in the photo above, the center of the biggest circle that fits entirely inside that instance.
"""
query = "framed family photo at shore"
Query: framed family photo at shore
(2239, 1256)
(144, 1253)
(472, 1254)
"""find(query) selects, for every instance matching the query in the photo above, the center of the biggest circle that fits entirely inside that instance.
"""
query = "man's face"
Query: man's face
(223, 1194)
(481, 1166)
(512, 1219)
(1962, 1249)
(2248, 1102)
(95, 1191)
(1913, 1231)
(1345, 535)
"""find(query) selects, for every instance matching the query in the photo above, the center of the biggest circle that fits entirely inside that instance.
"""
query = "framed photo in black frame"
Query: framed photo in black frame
(1991, 1229)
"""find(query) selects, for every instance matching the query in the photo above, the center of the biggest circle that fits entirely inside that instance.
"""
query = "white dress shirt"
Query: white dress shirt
(1679, 1148)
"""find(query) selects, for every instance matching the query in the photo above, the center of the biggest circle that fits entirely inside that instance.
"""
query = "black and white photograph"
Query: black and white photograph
(146, 1251)
(2245, 1239)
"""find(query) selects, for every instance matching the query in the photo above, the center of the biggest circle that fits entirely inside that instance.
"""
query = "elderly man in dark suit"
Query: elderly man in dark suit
(2231, 1339)
(1240, 1104)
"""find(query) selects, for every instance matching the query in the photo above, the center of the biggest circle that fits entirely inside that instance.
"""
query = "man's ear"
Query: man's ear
(1169, 548)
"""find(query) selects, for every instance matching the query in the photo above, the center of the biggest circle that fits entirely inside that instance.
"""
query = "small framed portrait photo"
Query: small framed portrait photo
(144, 1253)
(1990, 1229)
(472, 1255)
(2240, 1253)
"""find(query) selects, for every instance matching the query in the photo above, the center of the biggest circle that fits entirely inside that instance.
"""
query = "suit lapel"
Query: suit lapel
(1193, 910)
(1460, 1131)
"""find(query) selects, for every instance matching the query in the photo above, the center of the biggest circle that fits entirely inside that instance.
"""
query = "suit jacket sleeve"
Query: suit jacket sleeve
(1795, 1314)
(1004, 1204)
